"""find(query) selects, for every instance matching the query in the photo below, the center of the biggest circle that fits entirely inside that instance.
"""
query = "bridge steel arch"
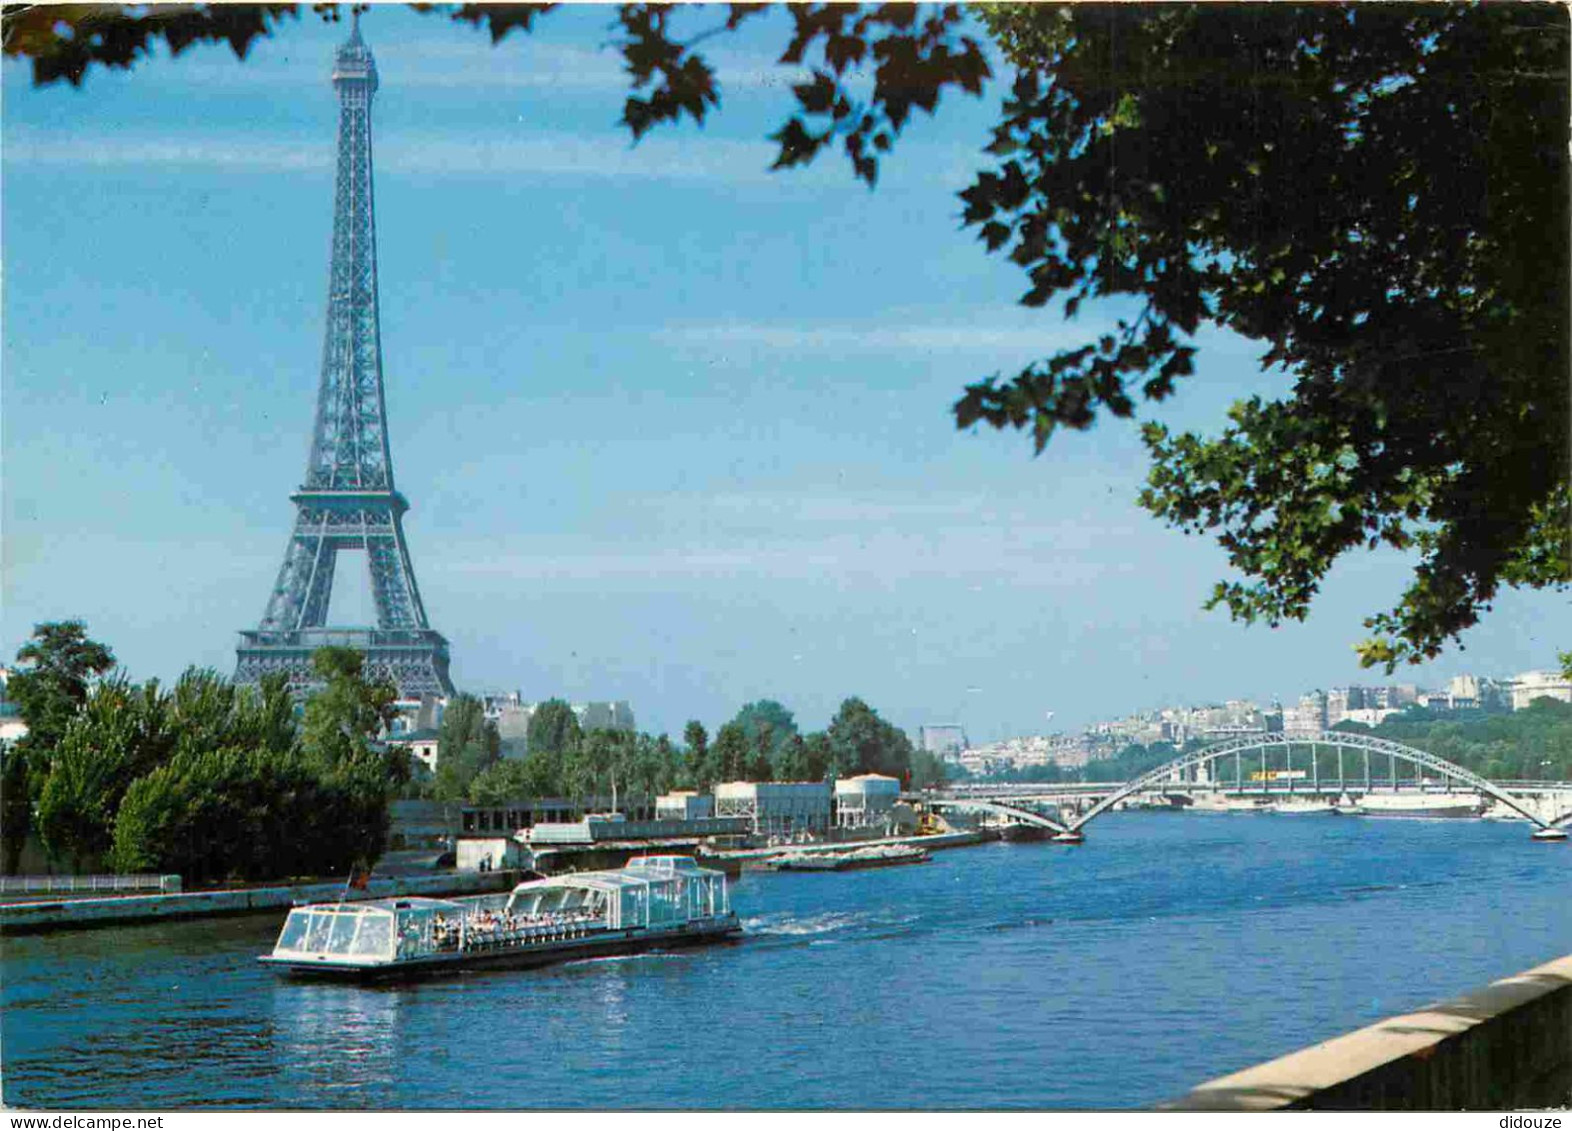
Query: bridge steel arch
(1321, 738)
(1026, 815)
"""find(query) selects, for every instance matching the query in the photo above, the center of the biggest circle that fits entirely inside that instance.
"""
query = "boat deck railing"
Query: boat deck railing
(491, 930)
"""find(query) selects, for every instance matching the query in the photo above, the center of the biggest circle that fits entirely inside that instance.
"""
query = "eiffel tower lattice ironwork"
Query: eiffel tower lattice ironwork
(348, 501)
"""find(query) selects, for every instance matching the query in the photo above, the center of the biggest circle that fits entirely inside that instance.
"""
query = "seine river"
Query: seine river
(1167, 950)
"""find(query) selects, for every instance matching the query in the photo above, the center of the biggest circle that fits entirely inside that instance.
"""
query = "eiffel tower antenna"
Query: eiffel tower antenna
(348, 500)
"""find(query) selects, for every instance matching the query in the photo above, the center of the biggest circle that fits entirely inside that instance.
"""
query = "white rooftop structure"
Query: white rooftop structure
(865, 800)
(776, 808)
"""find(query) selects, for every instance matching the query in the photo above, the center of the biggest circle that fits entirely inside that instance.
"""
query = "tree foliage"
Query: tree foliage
(345, 717)
(16, 806)
(768, 726)
(697, 741)
(512, 779)
(553, 727)
(125, 734)
(1134, 760)
(237, 813)
(468, 744)
(55, 670)
(1534, 743)
(861, 742)
(729, 754)
(914, 54)
(120, 733)
(215, 782)
(1368, 191)
(340, 740)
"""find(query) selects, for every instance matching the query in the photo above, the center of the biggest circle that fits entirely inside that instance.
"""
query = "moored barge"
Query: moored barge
(873, 856)
(1426, 805)
(655, 903)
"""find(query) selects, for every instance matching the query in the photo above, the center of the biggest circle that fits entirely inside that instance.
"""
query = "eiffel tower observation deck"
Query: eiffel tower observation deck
(348, 500)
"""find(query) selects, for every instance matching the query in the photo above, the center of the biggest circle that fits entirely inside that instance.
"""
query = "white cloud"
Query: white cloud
(870, 538)
(920, 338)
(576, 155)
(31, 147)
(879, 560)
(466, 61)
(532, 153)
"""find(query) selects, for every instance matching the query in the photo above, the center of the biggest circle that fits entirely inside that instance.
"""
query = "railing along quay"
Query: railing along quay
(59, 885)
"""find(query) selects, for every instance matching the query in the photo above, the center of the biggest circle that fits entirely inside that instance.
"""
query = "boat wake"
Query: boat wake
(647, 956)
(1017, 924)
(791, 926)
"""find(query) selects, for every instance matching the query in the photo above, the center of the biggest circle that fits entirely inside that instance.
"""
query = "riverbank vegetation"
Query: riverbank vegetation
(202, 778)
(219, 782)
(1534, 743)
(760, 743)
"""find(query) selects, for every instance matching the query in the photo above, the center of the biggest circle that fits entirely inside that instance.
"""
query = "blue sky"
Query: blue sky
(674, 428)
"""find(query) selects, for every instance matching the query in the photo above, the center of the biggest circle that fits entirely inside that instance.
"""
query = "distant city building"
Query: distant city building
(1468, 691)
(616, 714)
(943, 739)
(511, 715)
(1540, 685)
(419, 744)
(418, 713)
(1396, 696)
(1313, 712)
(1463, 691)
(512, 723)
(1308, 717)
(1340, 701)
(1067, 751)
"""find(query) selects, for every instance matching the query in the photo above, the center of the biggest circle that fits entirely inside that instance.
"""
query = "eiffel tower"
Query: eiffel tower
(348, 501)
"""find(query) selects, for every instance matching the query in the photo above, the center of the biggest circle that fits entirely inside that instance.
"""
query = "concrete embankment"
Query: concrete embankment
(1503, 1047)
(73, 914)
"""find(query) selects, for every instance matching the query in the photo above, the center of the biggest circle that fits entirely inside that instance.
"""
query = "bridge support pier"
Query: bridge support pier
(1071, 837)
(1547, 836)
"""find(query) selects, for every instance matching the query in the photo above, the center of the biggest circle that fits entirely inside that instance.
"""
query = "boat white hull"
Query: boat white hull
(593, 944)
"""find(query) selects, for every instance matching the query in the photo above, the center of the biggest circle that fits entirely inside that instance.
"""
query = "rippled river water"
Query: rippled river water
(1168, 949)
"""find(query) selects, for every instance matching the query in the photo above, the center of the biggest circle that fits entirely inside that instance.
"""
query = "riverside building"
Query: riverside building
(866, 801)
(777, 808)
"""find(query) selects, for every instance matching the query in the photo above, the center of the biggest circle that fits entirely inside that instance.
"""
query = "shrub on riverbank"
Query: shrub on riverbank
(211, 780)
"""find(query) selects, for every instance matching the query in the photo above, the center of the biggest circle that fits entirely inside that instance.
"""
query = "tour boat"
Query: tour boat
(655, 903)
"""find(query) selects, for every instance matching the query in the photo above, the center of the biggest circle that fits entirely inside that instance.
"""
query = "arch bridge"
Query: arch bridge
(1171, 774)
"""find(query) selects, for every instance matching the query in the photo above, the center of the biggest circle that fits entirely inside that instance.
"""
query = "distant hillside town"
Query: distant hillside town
(1314, 711)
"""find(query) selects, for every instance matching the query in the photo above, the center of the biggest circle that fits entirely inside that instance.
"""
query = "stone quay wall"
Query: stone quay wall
(70, 914)
(1504, 1047)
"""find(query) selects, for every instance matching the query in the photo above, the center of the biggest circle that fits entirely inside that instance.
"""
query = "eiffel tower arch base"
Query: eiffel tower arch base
(414, 661)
